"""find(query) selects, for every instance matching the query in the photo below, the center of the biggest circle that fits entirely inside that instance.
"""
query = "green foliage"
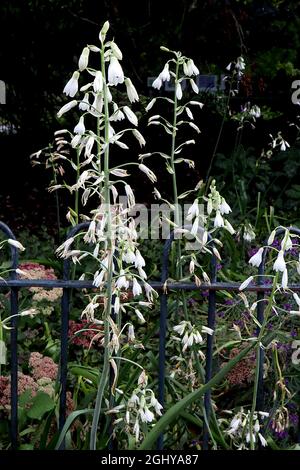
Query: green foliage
(41, 404)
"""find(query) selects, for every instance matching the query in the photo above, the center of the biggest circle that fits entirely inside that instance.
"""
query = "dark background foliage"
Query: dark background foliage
(42, 40)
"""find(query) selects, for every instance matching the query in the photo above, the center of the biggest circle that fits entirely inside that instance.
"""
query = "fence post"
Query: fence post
(211, 318)
(163, 328)
(13, 339)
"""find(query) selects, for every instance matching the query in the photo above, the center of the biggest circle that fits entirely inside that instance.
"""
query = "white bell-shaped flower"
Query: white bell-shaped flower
(115, 72)
(71, 87)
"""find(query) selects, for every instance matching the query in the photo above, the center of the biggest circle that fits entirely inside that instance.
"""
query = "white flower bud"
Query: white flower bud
(84, 59)
(131, 91)
(178, 91)
(246, 283)
(130, 115)
(16, 244)
(103, 31)
(66, 108)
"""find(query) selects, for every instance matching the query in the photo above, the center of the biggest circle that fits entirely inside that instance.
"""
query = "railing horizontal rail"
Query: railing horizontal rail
(215, 286)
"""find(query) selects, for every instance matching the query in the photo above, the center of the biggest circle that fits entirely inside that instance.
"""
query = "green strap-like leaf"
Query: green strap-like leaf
(173, 413)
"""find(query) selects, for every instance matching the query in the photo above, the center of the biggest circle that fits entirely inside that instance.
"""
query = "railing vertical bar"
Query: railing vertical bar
(14, 367)
(209, 350)
(260, 318)
(13, 339)
(65, 307)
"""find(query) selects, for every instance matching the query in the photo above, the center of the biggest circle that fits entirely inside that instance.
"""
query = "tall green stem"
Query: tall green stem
(109, 243)
(177, 220)
(56, 202)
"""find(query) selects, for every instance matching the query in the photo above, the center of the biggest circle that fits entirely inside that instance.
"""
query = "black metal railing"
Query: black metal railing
(163, 287)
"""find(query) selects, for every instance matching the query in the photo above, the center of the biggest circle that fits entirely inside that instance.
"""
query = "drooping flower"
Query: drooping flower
(139, 137)
(284, 145)
(97, 106)
(131, 335)
(131, 91)
(240, 63)
(80, 128)
(139, 260)
(116, 50)
(279, 264)
(255, 111)
(115, 72)
(191, 68)
(180, 328)
(193, 210)
(130, 115)
(136, 288)
(256, 259)
(148, 172)
(122, 282)
(71, 87)
(157, 83)
(194, 86)
(118, 115)
(84, 104)
(207, 330)
(224, 207)
(229, 227)
(249, 233)
(130, 195)
(165, 74)
(16, 244)
(140, 316)
(219, 221)
(98, 82)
